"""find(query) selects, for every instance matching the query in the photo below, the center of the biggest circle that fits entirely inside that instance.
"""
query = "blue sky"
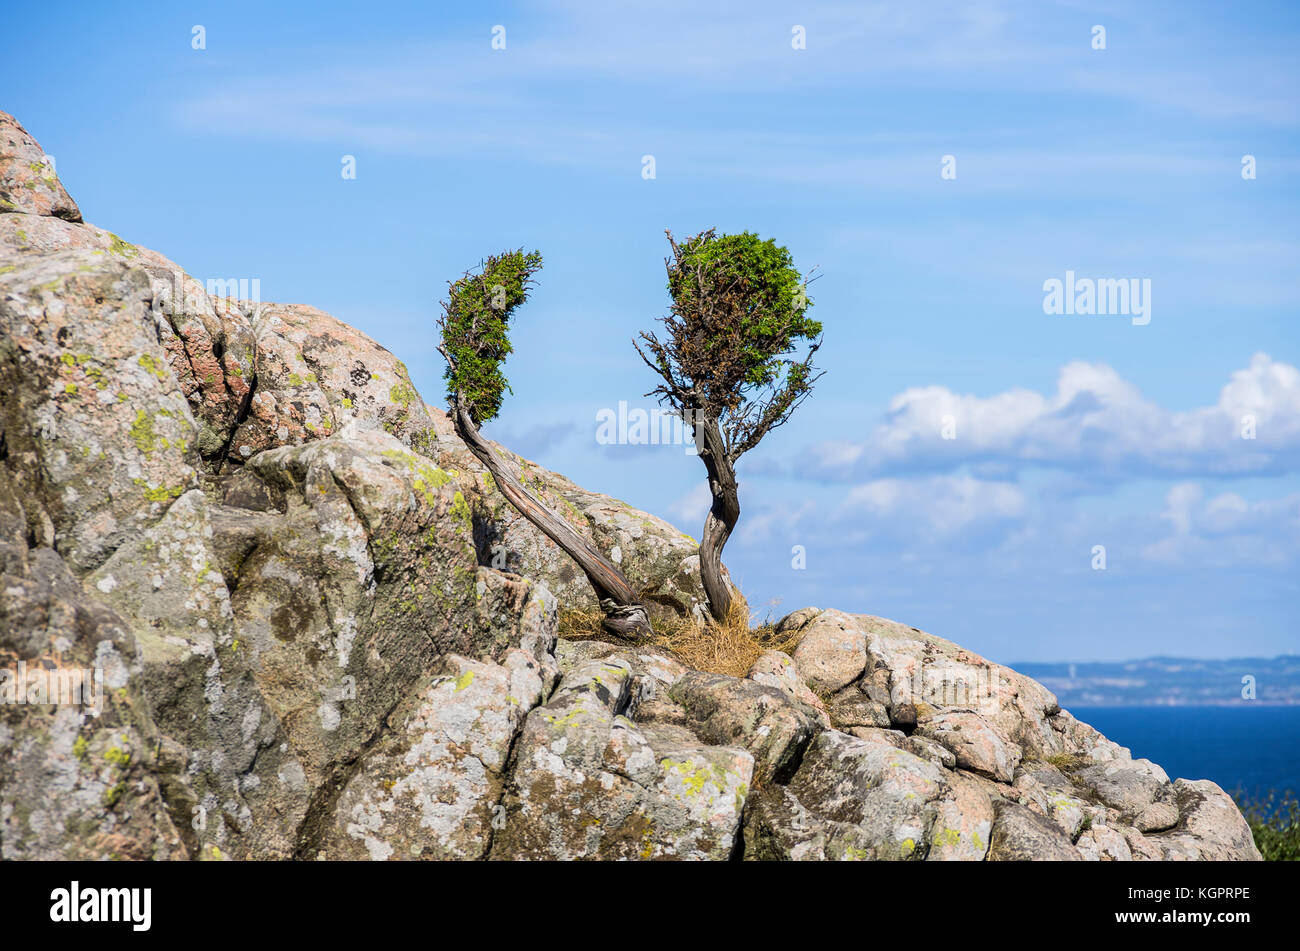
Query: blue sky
(1070, 431)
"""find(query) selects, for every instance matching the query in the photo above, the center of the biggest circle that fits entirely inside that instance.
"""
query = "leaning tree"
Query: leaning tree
(738, 314)
(475, 341)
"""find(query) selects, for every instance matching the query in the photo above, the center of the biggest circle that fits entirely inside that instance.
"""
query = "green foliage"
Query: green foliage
(750, 292)
(739, 311)
(475, 327)
(1275, 823)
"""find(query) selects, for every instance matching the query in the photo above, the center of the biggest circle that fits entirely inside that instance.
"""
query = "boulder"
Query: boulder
(588, 782)
(974, 743)
(725, 711)
(1103, 844)
(832, 651)
(432, 785)
(28, 182)
(1210, 827)
(1019, 835)
(99, 436)
(963, 822)
(777, 669)
(851, 799)
(1138, 790)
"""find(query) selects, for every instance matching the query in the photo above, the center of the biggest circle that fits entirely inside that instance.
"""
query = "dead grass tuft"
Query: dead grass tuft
(730, 647)
(1067, 762)
(581, 625)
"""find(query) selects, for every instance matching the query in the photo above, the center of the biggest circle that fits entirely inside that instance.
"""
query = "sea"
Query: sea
(1246, 748)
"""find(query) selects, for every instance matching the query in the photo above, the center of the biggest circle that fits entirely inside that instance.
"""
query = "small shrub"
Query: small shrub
(1274, 821)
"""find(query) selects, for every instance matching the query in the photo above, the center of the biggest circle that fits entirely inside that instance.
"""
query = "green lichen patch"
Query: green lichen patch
(564, 722)
(460, 509)
(403, 394)
(122, 248)
(161, 493)
(153, 365)
(144, 436)
(427, 478)
(118, 757)
(693, 776)
(113, 794)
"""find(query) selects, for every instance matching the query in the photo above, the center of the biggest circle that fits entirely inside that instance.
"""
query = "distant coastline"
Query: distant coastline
(1172, 682)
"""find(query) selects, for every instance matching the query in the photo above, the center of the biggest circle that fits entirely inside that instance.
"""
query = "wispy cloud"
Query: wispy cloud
(1226, 529)
(587, 90)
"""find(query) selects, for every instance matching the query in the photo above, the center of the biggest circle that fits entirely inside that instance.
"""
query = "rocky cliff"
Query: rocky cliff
(321, 633)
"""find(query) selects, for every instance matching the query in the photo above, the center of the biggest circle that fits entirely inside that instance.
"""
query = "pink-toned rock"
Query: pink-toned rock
(832, 652)
(314, 375)
(1141, 848)
(1103, 844)
(1019, 834)
(100, 431)
(976, 743)
(1211, 827)
(963, 822)
(27, 179)
(776, 669)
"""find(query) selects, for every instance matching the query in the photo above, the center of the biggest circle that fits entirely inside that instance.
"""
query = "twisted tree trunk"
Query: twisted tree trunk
(625, 616)
(722, 518)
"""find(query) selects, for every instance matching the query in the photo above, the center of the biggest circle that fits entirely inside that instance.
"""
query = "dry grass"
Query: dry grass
(728, 648)
(581, 625)
(1067, 762)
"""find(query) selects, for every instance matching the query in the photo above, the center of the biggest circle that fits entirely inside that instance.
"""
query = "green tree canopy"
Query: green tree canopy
(739, 310)
(475, 321)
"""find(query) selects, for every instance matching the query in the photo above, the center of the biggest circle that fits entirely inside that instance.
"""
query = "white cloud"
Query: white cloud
(1095, 422)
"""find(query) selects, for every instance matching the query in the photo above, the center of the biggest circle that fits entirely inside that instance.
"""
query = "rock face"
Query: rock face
(311, 628)
(28, 182)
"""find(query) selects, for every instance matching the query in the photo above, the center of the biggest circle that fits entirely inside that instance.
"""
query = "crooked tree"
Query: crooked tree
(475, 341)
(738, 314)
